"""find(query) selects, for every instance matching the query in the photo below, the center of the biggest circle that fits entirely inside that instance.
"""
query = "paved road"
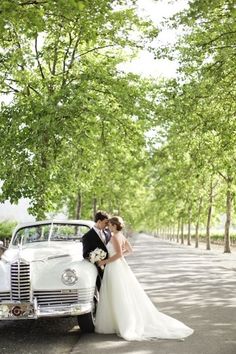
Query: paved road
(44, 336)
(194, 286)
(197, 287)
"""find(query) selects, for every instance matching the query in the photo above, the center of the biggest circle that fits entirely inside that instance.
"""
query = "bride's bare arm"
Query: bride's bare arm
(127, 248)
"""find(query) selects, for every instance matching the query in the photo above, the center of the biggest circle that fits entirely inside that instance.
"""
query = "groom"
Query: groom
(97, 237)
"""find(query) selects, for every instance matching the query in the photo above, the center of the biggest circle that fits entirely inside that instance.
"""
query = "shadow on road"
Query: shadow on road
(194, 286)
(38, 336)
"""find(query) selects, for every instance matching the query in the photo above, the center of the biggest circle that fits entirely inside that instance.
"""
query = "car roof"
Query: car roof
(88, 223)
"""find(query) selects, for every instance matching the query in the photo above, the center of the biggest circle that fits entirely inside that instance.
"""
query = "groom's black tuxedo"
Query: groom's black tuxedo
(91, 241)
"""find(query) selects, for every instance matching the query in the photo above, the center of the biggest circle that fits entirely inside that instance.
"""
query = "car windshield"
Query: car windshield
(52, 232)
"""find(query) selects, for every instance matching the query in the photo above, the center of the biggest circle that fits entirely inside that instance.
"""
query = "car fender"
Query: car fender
(48, 275)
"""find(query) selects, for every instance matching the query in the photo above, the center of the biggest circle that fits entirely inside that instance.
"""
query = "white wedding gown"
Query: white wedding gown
(125, 309)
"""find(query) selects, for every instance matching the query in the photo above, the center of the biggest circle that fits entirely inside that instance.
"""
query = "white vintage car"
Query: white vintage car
(43, 273)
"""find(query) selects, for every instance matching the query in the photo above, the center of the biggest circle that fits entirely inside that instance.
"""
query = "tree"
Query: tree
(199, 107)
(69, 99)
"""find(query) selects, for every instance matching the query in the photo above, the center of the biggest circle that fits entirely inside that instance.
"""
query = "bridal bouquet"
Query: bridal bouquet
(97, 255)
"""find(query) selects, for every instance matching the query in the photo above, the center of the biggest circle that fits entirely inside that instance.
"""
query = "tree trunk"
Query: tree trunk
(94, 207)
(173, 233)
(178, 229)
(163, 233)
(208, 237)
(228, 217)
(189, 227)
(78, 206)
(182, 231)
(197, 224)
(197, 234)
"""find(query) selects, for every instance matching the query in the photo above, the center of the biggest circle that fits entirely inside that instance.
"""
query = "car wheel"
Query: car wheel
(86, 322)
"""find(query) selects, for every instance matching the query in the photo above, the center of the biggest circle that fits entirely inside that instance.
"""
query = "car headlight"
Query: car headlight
(69, 277)
(4, 310)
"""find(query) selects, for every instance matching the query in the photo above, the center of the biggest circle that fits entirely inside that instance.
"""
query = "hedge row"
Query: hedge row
(216, 238)
(219, 238)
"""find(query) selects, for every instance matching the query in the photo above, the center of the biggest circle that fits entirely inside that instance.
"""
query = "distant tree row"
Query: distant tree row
(193, 173)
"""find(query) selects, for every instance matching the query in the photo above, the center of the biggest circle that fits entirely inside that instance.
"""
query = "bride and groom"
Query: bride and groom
(123, 307)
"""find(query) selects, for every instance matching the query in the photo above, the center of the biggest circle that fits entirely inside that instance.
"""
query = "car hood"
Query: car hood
(43, 251)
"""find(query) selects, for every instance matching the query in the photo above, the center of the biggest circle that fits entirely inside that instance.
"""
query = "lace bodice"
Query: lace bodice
(110, 249)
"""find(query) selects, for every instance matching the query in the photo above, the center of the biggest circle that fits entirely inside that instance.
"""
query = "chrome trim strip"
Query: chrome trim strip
(52, 311)
(64, 296)
(5, 296)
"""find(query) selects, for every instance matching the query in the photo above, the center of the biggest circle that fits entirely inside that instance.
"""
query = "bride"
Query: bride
(124, 308)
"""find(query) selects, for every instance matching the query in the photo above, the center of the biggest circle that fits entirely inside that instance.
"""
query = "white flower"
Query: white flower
(97, 255)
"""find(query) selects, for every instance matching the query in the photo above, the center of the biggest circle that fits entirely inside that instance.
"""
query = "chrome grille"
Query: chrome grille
(5, 296)
(20, 281)
(64, 297)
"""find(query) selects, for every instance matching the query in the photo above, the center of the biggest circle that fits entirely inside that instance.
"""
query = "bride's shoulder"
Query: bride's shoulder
(118, 236)
(121, 238)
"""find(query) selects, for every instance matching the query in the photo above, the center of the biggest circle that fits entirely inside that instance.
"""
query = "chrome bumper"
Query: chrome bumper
(21, 311)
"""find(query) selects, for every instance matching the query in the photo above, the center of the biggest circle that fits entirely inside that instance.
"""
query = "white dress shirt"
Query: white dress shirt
(100, 234)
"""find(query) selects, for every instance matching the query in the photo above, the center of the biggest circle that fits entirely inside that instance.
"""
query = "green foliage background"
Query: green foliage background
(6, 229)
(77, 131)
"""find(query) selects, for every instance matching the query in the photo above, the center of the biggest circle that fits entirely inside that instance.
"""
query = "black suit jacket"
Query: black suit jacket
(91, 241)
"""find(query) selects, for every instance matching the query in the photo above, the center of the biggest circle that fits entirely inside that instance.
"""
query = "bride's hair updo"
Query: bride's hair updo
(118, 221)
